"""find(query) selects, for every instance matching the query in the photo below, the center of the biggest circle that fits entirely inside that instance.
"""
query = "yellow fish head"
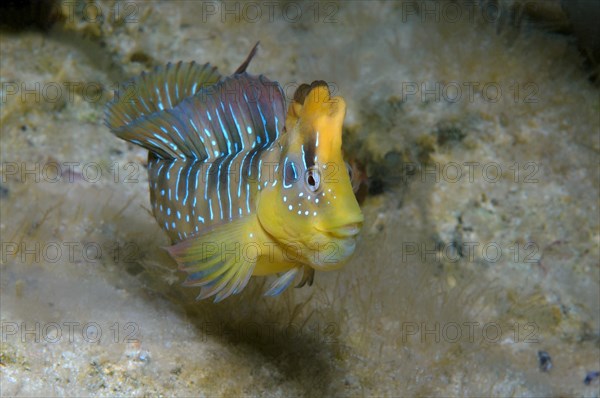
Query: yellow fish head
(312, 209)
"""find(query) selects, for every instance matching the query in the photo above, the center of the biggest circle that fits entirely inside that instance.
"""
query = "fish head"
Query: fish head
(313, 208)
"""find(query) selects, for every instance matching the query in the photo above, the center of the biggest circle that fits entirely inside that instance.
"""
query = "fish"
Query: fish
(241, 186)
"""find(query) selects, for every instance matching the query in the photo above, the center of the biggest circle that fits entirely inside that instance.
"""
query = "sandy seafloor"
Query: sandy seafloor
(480, 138)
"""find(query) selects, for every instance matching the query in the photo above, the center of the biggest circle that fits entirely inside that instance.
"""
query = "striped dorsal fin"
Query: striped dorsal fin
(239, 113)
(163, 88)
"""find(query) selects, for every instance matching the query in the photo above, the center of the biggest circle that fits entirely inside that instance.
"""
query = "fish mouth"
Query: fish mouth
(346, 231)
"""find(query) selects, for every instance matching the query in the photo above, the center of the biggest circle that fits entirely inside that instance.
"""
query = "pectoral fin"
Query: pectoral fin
(219, 260)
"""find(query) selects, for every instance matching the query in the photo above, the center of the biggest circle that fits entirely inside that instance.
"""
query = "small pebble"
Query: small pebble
(545, 361)
(591, 376)
(3, 192)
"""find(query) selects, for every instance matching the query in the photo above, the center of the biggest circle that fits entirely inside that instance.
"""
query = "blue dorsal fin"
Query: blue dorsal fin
(237, 114)
(163, 88)
(164, 134)
(240, 113)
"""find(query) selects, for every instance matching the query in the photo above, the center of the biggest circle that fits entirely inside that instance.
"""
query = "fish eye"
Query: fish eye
(313, 179)
(290, 175)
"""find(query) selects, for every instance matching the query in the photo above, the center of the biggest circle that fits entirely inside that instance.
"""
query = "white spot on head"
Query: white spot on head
(173, 225)
(301, 194)
(316, 200)
(251, 235)
(314, 213)
(290, 207)
(306, 213)
(299, 212)
(285, 198)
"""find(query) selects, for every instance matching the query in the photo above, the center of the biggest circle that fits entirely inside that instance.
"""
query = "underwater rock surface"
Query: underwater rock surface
(477, 133)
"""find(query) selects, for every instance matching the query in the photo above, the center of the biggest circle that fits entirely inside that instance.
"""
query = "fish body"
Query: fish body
(240, 186)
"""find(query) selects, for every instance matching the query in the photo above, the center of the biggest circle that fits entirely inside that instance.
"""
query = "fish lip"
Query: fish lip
(345, 231)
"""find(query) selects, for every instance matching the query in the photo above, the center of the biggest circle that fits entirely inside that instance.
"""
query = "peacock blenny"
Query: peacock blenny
(241, 187)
